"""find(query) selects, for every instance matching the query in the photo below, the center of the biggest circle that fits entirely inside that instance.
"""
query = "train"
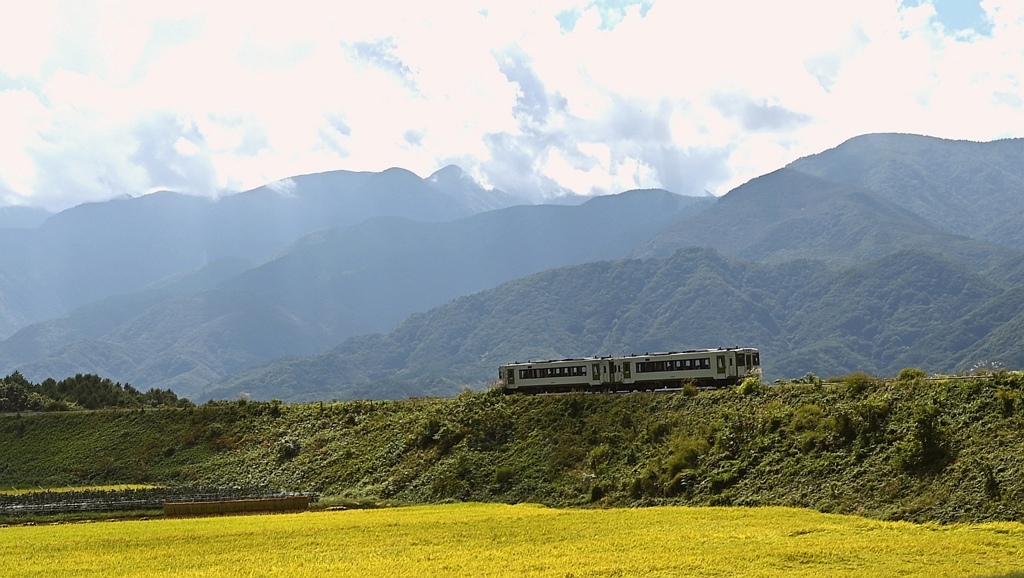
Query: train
(650, 371)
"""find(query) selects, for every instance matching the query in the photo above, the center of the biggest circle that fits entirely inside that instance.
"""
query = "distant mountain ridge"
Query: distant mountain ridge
(959, 186)
(878, 317)
(97, 250)
(789, 214)
(863, 257)
(22, 217)
(334, 284)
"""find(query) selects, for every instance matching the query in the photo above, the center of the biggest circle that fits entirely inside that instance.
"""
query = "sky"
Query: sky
(541, 97)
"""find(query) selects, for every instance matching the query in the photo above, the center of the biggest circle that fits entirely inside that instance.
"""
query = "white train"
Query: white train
(650, 371)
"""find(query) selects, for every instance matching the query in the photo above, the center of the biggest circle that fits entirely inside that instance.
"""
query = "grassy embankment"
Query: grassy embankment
(524, 540)
(901, 450)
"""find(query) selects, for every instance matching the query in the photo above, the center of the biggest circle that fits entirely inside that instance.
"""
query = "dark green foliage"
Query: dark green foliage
(911, 374)
(925, 447)
(895, 449)
(79, 392)
(1008, 401)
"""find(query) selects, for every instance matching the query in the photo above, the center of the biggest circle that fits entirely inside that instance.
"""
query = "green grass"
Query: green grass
(946, 451)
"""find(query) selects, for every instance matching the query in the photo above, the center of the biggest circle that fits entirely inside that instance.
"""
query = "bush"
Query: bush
(911, 374)
(1007, 401)
(503, 475)
(686, 453)
(857, 382)
(926, 448)
(750, 385)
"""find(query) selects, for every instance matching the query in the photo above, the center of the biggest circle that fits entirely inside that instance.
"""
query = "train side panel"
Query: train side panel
(671, 370)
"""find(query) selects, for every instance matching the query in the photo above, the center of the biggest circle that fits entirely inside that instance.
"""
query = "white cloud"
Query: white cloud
(105, 98)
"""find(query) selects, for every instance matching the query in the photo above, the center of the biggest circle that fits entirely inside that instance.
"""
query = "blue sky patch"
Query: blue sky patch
(958, 15)
(612, 12)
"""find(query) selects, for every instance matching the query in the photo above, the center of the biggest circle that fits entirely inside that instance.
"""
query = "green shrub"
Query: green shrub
(926, 447)
(686, 454)
(1007, 401)
(750, 385)
(503, 475)
(857, 382)
(808, 417)
(911, 374)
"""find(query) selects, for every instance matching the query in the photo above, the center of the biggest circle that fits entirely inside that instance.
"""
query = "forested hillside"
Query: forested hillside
(906, 449)
(908, 308)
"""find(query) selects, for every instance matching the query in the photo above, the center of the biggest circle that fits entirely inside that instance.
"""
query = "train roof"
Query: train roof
(599, 358)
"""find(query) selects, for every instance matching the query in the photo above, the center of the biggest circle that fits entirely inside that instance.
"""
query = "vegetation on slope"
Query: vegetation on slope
(900, 449)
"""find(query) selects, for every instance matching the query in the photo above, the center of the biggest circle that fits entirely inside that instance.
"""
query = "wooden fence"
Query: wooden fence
(287, 504)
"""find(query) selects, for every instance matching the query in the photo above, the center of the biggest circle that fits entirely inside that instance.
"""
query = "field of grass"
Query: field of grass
(523, 540)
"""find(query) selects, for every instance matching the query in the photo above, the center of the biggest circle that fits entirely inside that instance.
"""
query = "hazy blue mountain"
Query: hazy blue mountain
(22, 217)
(334, 284)
(92, 321)
(217, 333)
(876, 317)
(464, 190)
(960, 186)
(788, 214)
(96, 250)
(369, 277)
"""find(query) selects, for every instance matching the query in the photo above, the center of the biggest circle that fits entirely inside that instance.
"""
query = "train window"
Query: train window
(739, 359)
(757, 358)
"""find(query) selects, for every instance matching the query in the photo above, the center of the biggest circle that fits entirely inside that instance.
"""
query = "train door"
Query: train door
(614, 371)
(720, 366)
(595, 373)
(741, 363)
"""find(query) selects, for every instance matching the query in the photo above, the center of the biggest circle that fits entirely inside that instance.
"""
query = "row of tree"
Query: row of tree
(80, 392)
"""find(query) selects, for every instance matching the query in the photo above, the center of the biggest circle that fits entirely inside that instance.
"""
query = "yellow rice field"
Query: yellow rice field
(524, 540)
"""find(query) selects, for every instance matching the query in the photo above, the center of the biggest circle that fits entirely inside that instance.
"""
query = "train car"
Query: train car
(650, 371)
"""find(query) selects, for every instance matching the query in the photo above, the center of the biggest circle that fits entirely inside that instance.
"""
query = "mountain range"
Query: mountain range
(885, 252)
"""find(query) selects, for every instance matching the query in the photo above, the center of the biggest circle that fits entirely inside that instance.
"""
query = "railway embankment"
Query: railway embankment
(906, 448)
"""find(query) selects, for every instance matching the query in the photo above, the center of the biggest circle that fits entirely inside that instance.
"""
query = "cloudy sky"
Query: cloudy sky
(101, 99)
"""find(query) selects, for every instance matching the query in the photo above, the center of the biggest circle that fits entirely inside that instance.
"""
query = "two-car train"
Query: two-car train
(650, 371)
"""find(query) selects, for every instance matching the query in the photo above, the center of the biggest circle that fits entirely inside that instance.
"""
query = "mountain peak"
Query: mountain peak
(448, 173)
